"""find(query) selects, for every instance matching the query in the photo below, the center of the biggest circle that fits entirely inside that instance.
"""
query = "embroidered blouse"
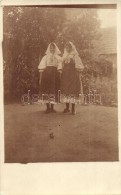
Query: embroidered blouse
(50, 60)
(77, 60)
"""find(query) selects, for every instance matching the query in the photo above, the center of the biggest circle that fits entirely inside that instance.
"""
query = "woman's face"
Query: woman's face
(52, 49)
(68, 48)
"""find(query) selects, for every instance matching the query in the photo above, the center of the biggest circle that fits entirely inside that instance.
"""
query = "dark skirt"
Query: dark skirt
(70, 80)
(50, 82)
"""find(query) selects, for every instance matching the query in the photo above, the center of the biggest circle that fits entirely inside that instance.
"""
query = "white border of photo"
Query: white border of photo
(59, 178)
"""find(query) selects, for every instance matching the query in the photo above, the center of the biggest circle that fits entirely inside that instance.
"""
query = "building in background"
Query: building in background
(109, 44)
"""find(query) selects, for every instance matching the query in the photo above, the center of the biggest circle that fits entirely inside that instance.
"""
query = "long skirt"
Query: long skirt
(70, 81)
(50, 82)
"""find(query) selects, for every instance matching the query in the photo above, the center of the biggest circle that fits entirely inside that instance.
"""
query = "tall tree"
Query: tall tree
(28, 31)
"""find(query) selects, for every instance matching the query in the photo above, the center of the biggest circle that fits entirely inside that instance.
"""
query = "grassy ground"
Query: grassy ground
(91, 135)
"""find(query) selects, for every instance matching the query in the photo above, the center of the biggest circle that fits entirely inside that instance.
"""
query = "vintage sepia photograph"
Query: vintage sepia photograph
(60, 83)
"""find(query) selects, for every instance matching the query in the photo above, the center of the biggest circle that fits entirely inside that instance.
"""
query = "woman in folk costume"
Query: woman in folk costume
(70, 79)
(50, 69)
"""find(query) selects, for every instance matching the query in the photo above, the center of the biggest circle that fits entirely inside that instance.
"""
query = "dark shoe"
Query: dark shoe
(66, 110)
(73, 112)
(53, 111)
(73, 109)
(47, 111)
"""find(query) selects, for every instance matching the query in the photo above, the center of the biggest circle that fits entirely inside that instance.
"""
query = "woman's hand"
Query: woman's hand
(60, 71)
(40, 79)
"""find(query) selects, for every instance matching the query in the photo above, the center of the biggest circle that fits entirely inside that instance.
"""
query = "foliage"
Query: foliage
(28, 31)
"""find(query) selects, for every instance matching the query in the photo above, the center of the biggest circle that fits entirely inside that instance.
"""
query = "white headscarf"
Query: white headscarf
(57, 51)
(51, 59)
(72, 53)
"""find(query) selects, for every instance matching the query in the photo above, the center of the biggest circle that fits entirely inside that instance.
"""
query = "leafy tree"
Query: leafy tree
(29, 30)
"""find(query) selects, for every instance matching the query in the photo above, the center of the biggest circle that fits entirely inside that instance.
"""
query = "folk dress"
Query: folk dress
(70, 81)
(50, 66)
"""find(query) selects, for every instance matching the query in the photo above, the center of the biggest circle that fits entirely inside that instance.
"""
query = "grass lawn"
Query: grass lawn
(90, 135)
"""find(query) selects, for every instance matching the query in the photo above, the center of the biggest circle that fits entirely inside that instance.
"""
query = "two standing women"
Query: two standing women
(50, 69)
(69, 67)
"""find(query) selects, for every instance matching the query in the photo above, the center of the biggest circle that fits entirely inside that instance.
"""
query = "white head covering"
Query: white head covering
(74, 55)
(57, 51)
(72, 52)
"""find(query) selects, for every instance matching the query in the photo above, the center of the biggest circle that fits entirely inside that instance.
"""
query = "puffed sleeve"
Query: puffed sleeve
(59, 63)
(78, 62)
(42, 64)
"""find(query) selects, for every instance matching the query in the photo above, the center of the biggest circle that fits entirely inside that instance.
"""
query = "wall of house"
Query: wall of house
(113, 59)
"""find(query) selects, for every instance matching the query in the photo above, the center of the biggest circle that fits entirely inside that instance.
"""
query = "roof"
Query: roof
(109, 40)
